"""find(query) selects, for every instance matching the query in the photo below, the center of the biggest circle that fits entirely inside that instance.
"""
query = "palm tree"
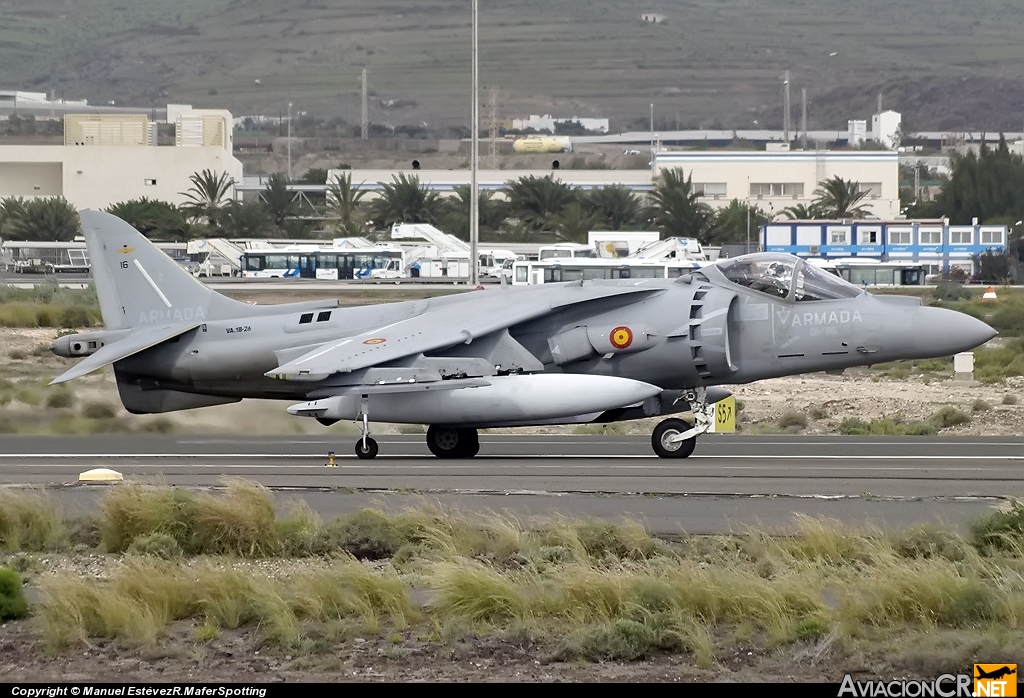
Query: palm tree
(537, 200)
(207, 194)
(158, 220)
(731, 223)
(343, 205)
(51, 219)
(677, 210)
(279, 199)
(455, 218)
(800, 212)
(838, 198)
(245, 219)
(616, 207)
(405, 200)
(10, 209)
(573, 222)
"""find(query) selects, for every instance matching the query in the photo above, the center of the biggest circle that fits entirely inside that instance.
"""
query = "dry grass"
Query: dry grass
(591, 589)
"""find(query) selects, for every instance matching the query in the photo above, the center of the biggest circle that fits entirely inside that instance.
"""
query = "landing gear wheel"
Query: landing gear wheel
(369, 452)
(448, 442)
(665, 447)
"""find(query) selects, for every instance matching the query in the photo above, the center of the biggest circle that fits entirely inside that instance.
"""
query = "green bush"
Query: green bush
(793, 419)
(159, 545)
(12, 598)
(951, 291)
(367, 534)
(1000, 530)
(1009, 399)
(99, 410)
(60, 399)
(949, 416)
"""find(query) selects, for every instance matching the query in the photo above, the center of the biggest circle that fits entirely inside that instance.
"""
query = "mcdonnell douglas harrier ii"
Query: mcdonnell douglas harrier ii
(571, 353)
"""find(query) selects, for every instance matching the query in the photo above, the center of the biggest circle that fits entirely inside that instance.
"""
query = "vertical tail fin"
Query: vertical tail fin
(140, 286)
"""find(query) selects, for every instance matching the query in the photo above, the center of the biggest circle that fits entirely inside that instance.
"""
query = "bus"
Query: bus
(585, 269)
(329, 264)
(870, 272)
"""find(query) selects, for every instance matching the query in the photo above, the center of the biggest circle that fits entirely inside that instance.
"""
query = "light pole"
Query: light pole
(474, 195)
(289, 141)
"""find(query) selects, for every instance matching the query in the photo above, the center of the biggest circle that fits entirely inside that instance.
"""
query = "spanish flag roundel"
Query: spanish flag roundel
(621, 337)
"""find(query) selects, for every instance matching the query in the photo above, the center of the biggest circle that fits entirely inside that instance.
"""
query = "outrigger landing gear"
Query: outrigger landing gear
(676, 438)
(448, 442)
(366, 448)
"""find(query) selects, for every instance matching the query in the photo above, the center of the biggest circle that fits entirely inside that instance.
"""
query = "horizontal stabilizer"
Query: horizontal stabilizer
(137, 341)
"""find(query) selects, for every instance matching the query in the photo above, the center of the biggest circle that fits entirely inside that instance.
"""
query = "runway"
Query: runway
(729, 483)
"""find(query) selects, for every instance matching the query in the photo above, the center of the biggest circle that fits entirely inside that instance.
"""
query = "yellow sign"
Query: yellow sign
(995, 680)
(723, 416)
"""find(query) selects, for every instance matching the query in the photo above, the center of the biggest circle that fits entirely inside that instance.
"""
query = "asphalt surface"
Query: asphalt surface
(731, 482)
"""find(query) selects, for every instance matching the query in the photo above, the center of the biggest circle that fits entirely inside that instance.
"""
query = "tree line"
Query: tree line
(532, 209)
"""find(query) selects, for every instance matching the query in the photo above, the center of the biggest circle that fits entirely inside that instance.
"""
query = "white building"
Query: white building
(885, 128)
(547, 123)
(858, 131)
(776, 180)
(111, 158)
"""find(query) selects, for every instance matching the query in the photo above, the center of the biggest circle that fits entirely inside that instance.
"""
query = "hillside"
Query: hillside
(710, 63)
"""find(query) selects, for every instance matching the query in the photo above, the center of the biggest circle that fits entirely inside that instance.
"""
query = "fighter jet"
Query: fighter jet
(571, 353)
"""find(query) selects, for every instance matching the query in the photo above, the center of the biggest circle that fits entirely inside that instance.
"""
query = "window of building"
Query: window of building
(838, 236)
(791, 189)
(150, 182)
(991, 237)
(930, 236)
(961, 237)
(872, 190)
(324, 316)
(869, 236)
(710, 189)
(900, 236)
(305, 318)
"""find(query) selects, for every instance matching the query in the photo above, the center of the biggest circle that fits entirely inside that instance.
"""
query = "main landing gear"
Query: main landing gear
(676, 438)
(448, 442)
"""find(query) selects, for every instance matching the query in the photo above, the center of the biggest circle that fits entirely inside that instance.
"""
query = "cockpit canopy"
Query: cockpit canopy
(785, 276)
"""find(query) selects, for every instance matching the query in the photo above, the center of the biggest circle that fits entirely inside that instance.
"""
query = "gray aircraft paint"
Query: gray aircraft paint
(198, 347)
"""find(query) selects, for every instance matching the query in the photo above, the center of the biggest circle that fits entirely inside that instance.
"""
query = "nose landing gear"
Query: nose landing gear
(676, 438)
(366, 448)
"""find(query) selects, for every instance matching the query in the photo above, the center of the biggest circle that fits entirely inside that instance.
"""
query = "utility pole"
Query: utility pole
(493, 164)
(289, 141)
(474, 189)
(652, 139)
(365, 117)
(785, 115)
(803, 117)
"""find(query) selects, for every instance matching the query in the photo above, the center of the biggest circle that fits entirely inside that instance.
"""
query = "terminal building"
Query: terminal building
(935, 244)
(775, 180)
(109, 158)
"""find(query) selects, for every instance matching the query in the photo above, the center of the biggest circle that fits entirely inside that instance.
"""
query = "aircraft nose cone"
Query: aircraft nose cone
(942, 332)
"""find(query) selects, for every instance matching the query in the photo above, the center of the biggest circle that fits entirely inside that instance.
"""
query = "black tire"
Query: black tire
(371, 449)
(472, 442)
(667, 429)
(448, 442)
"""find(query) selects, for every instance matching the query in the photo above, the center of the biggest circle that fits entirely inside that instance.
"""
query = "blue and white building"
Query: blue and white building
(934, 243)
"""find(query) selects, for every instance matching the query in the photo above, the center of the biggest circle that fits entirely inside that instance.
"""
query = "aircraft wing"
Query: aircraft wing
(133, 343)
(437, 328)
